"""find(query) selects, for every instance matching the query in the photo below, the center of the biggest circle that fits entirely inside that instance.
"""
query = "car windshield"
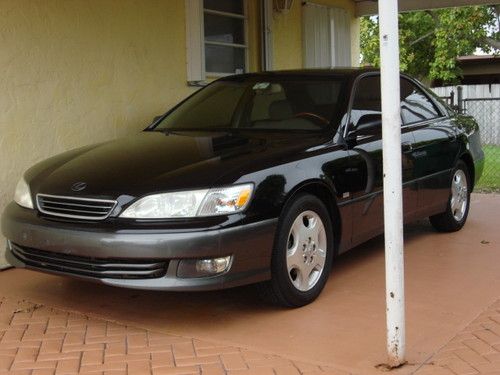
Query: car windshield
(291, 104)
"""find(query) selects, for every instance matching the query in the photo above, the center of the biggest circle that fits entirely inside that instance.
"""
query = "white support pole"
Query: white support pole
(393, 203)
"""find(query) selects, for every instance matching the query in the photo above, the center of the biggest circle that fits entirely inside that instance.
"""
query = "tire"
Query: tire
(302, 254)
(457, 209)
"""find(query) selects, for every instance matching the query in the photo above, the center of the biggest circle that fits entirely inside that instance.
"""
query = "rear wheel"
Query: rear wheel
(302, 254)
(454, 217)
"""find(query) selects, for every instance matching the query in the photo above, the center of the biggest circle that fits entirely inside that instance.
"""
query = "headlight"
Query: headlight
(22, 196)
(228, 200)
(219, 201)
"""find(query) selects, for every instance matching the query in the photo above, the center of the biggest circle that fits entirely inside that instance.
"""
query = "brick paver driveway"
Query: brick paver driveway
(64, 326)
(475, 350)
(38, 340)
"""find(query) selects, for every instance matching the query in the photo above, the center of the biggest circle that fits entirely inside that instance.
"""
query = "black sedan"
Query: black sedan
(256, 178)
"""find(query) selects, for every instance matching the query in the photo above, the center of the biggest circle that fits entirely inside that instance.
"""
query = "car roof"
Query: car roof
(322, 72)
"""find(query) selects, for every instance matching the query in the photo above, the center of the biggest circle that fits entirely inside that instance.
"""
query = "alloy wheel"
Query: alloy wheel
(306, 250)
(459, 195)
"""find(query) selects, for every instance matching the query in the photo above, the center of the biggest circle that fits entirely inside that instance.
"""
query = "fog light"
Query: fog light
(213, 266)
(203, 267)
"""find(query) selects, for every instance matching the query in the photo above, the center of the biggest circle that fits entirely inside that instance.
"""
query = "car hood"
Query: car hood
(154, 162)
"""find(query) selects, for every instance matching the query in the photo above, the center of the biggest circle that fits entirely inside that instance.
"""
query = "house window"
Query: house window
(225, 36)
(216, 38)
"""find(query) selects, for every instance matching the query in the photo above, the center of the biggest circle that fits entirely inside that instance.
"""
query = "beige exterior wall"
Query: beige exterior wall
(287, 38)
(84, 71)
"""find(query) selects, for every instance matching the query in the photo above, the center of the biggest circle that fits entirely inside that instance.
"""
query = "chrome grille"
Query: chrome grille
(75, 208)
(92, 267)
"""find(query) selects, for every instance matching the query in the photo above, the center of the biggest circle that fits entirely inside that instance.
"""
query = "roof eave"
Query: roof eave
(370, 7)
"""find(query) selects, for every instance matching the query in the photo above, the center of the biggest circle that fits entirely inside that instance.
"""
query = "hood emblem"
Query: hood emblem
(78, 186)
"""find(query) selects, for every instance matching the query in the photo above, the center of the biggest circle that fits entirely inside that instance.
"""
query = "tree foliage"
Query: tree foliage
(430, 41)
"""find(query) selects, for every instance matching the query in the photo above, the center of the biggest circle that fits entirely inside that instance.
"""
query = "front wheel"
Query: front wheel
(454, 217)
(302, 254)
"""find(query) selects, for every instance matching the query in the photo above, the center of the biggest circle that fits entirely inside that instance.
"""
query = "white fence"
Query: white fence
(471, 92)
(482, 102)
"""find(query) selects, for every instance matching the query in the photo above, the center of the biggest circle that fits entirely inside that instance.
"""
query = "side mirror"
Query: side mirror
(369, 124)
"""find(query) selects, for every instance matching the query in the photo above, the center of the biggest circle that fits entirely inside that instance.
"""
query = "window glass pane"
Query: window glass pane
(230, 6)
(212, 107)
(367, 98)
(222, 59)
(224, 29)
(293, 104)
(415, 106)
(323, 93)
(252, 105)
(263, 100)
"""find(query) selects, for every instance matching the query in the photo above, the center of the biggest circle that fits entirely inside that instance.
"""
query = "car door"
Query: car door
(435, 146)
(365, 153)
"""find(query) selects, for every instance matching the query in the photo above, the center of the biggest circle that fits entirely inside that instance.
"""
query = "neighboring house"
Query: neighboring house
(479, 93)
(477, 70)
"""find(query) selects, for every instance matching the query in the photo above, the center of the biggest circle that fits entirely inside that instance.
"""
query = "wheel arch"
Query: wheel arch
(467, 159)
(327, 195)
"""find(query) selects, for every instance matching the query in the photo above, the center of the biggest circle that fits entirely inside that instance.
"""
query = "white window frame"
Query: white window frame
(195, 40)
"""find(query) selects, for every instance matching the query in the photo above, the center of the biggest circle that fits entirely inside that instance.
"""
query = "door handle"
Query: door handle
(406, 147)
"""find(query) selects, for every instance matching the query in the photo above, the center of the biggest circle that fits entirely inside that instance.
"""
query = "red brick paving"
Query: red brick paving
(38, 340)
(474, 351)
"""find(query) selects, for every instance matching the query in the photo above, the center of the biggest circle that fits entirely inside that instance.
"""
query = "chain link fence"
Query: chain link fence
(486, 111)
(483, 103)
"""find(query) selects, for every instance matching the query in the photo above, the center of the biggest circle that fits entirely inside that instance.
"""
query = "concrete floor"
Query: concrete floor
(450, 280)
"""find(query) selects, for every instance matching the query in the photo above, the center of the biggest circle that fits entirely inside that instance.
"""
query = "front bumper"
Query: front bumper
(249, 245)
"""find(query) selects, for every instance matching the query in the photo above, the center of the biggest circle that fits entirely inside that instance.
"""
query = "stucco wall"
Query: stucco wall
(287, 38)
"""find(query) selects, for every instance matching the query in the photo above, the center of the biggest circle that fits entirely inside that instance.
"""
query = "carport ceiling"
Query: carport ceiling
(369, 7)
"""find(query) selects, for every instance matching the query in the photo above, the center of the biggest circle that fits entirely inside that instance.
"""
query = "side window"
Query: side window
(367, 99)
(415, 105)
